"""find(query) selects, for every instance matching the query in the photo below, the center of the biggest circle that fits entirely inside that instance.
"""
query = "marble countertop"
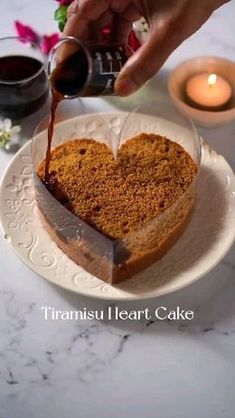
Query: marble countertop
(86, 369)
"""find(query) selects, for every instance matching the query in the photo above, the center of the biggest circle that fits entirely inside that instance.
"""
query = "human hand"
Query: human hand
(170, 22)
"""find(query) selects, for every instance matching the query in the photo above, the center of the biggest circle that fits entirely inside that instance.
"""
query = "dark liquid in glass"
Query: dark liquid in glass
(69, 77)
(22, 90)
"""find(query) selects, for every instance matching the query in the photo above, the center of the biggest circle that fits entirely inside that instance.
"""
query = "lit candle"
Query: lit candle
(208, 91)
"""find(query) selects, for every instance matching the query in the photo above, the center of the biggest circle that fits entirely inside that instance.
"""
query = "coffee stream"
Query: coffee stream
(67, 80)
(54, 105)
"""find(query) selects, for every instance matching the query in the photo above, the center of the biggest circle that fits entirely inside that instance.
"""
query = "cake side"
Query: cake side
(103, 267)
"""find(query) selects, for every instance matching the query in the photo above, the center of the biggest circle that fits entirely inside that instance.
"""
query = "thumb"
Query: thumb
(146, 61)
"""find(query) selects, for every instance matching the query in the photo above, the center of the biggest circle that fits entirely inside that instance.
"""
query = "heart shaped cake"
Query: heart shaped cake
(115, 218)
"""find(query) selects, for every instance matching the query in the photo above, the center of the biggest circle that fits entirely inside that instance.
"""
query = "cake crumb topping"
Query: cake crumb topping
(118, 197)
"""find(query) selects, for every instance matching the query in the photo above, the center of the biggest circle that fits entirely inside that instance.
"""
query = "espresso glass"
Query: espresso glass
(23, 80)
(78, 69)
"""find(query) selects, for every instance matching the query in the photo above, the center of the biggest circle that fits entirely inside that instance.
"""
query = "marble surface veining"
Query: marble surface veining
(118, 369)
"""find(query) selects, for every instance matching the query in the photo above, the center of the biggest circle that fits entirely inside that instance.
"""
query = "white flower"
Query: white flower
(141, 25)
(141, 29)
(8, 134)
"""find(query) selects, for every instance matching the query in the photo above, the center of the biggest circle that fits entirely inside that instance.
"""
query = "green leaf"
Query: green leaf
(61, 13)
(61, 25)
(61, 16)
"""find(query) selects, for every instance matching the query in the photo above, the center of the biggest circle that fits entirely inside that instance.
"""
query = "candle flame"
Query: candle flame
(212, 79)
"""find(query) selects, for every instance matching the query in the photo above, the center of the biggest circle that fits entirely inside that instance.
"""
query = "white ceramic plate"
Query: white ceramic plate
(205, 242)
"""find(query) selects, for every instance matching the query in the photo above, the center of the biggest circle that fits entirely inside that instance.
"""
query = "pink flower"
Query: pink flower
(106, 33)
(64, 2)
(48, 41)
(45, 42)
(133, 42)
(26, 33)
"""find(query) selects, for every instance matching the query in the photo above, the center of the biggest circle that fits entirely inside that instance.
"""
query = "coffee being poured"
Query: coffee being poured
(76, 70)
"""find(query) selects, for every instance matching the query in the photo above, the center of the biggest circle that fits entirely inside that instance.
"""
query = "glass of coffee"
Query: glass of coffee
(23, 80)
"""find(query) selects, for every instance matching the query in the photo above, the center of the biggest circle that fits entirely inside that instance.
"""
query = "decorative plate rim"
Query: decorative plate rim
(118, 293)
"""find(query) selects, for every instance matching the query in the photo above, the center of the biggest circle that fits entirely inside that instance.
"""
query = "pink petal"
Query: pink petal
(26, 32)
(48, 41)
(106, 32)
(133, 41)
(64, 2)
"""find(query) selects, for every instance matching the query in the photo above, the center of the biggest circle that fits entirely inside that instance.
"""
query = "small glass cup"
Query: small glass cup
(23, 80)
(78, 69)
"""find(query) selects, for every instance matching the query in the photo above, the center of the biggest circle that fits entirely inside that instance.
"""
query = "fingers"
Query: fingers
(121, 30)
(119, 6)
(80, 15)
(146, 61)
(123, 24)
(76, 25)
(106, 20)
(171, 23)
(86, 18)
